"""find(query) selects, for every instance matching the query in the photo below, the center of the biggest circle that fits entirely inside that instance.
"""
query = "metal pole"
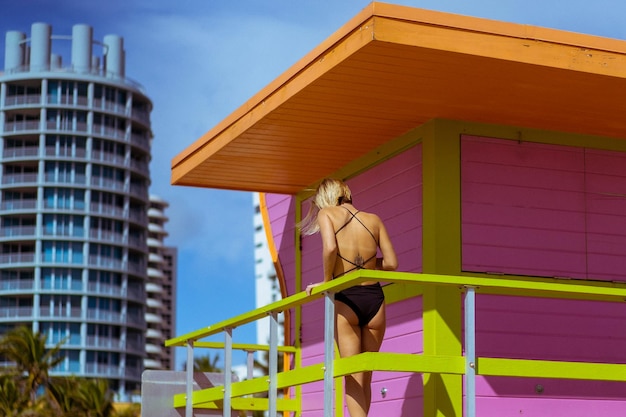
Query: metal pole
(329, 352)
(272, 393)
(470, 352)
(189, 382)
(250, 370)
(228, 366)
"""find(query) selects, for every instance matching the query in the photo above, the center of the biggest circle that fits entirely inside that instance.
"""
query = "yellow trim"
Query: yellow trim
(551, 369)
(441, 252)
(298, 286)
(252, 404)
(243, 346)
(439, 367)
(522, 134)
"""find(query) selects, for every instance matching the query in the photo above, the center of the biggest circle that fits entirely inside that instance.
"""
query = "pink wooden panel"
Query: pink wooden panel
(282, 218)
(523, 208)
(544, 406)
(550, 329)
(606, 214)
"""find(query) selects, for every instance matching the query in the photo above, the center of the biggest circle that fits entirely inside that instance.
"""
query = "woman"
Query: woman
(350, 241)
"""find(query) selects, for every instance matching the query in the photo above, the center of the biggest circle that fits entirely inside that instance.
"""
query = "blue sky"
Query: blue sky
(201, 59)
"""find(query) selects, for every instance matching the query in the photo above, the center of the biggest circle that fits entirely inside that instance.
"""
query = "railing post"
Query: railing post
(250, 370)
(470, 352)
(228, 369)
(329, 352)
(272, 393)
(189, 382)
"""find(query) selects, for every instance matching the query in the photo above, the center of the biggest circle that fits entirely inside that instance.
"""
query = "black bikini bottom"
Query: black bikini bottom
(364, 300)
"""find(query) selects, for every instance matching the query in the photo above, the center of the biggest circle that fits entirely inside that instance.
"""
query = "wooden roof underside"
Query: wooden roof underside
(391, 69)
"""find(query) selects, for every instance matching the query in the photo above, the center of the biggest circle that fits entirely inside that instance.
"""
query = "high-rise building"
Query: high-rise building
(74, 180)
(160, 290)
(267, 288)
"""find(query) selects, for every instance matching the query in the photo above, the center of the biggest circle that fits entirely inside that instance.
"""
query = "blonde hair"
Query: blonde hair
(331, 192)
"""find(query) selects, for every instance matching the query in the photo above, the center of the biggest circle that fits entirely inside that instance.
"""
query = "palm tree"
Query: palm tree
(60, 396)
(95, 398)
(74, 397)
(28, 351)
(205, 364)
(12, 399)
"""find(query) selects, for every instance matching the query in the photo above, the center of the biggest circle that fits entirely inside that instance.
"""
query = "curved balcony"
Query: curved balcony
(142, 116)
(109, 158)
(95, 314)
(140, 141)
(22, 126)
(152, 303)
(152, 288)
(65, 178)
(67, 126)
(13, 313)
(21, 179)
(17, 285)
(141, 167)
(136, 320)
(154, 334)
(136, 294)
(18, 205)
(139, 191)
(108, 132)
(155, 258)
(154, 273)
(153, 318)
(105, 289)
(106, 209)
(104, 343)
(20, 153)
(152, 364)
(137, 268)
(108, 184)
(30, 100)
(109, 106)
(154, 243)
(105, 236)
(151, 348)
(16, 259)
(105, 262)
(18, 232)
(61, 312)
(101, 370)
(138, 216)
(138, 243)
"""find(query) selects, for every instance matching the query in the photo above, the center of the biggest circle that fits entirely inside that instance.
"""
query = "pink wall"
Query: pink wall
(545, 210)
(528, 209)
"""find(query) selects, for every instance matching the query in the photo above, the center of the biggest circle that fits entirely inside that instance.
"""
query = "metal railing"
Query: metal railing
(468, 364)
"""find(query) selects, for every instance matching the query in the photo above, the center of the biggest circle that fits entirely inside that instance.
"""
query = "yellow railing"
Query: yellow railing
(232, 395)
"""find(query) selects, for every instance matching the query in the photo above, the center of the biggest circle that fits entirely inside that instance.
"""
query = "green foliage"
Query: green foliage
(13, 402)
(27, 350)
(63, 396)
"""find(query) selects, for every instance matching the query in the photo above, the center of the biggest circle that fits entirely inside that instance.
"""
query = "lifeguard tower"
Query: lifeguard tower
(496, 155)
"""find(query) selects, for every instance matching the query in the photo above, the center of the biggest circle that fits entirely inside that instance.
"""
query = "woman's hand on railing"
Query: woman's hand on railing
(310, 287)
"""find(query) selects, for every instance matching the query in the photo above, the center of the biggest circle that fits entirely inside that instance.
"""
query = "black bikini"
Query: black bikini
(364, 300)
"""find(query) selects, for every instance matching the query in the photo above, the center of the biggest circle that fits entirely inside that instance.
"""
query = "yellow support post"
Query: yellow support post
(441, 251)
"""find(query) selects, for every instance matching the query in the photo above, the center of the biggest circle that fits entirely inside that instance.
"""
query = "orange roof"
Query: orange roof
(391, 69)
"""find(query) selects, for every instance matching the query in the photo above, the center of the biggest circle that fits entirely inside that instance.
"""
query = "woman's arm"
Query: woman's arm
(389, 261)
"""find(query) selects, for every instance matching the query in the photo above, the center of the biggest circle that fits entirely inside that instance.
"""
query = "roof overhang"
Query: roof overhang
(391, 69)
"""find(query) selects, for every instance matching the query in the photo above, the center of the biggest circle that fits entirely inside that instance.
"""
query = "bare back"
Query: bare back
(357, 237)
